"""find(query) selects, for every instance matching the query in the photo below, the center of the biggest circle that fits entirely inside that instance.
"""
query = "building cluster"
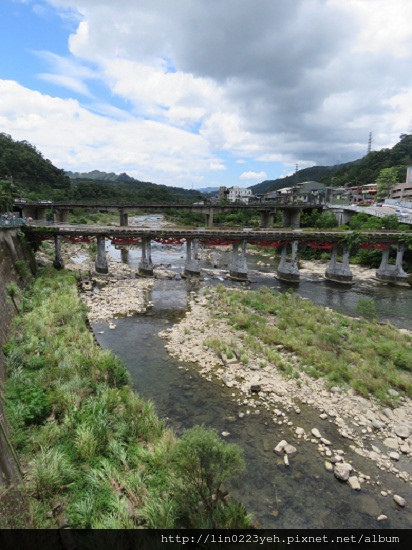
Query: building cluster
(313, 192)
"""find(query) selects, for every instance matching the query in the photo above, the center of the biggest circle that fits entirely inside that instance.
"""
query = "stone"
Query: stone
(279, 449)
(394, 455)
(392, 443)
(316, 433)
(290, 450)
(342, 471)
(400, 501)
(328, 466)
(377, 424)
(354, 483)
(402, 431)
(300, 431)
(382, 517)
(225, 434)
(286, 460)
(325, 441)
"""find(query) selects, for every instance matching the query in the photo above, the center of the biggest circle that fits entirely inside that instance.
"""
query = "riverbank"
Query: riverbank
(363, 425)
(278, 382)
(93, 453)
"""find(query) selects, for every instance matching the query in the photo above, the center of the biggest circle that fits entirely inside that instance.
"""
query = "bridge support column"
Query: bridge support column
(124, 254)
(61, 215)
(124, 217)
(392, 273)
(58, 259)
(289, 271)
(192, 268)
(267, 219)
(146, 264)
(195, 248)
(290, 217)
(209, 218)
(339, 271)
(100, 264)
(238, 264)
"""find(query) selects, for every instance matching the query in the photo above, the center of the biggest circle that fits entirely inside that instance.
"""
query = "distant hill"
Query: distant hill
(358, 172)
(208, 190)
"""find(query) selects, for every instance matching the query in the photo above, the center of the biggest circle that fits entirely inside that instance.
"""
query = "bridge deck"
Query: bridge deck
(228, 234)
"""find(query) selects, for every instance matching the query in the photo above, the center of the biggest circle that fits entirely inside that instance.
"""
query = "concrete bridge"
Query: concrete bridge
(267, 211)
(338, 245)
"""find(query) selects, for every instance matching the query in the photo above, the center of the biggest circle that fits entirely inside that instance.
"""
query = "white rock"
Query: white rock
(382, 517)
(290, 450)
(286, 460)
(400, 501)
(279, 449)
(391, 442)
(354, 483)
(394, 455)
(402, 431)
(315, 432)
(342, 471)
(328, 466)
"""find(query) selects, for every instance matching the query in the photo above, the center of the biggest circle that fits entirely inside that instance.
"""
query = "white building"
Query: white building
(239, 194)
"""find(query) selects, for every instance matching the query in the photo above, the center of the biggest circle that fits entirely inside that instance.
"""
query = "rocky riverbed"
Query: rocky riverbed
(380, 434)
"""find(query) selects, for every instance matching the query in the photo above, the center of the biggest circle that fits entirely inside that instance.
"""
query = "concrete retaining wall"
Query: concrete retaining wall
(12, 250)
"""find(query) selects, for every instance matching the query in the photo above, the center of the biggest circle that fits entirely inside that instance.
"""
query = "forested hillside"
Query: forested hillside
(358, 172)
(35, 178)
(32, 174)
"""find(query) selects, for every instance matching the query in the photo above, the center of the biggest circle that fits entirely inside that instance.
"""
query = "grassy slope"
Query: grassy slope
(93, 451)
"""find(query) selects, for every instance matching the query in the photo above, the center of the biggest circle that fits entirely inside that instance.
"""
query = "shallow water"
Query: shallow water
(304, 495)
(301, 496)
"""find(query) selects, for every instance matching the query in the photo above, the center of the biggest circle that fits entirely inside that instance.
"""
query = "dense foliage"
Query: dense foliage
(96, 455)
(32, 174)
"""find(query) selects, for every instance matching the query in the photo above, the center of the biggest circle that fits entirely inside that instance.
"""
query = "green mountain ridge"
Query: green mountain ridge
(35, 177)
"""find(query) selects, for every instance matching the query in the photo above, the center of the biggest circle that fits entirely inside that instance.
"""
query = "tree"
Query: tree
(388, 177)
(8, 192)
(203, 462)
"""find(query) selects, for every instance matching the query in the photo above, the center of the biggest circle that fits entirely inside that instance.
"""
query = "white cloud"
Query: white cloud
(77, 139)
(253, 176)
(302, 81)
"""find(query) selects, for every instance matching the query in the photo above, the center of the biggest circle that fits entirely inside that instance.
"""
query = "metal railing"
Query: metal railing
(9, 222)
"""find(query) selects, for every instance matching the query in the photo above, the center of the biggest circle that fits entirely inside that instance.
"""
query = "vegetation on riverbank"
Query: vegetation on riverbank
(95, 455)
(369, 357)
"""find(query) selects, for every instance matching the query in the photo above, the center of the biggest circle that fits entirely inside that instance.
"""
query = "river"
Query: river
(304, 495)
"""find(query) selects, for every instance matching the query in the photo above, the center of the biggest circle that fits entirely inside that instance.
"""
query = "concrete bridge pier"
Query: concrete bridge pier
(339, 271)
(192, 268)
(343, 216)
(124, 218)
(392, 273)
(146, 264)
(100, 264)
(61, 215)
(267, 219)
(238, 264)
(35, 212)
(291, 217)
(195, 249)
(209, 218)
(58, 259)
(289, 271)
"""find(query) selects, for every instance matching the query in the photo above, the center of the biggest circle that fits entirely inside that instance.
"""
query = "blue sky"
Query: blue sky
(197, 94)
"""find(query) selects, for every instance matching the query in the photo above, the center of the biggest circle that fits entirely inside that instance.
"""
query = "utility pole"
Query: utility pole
(369, 143)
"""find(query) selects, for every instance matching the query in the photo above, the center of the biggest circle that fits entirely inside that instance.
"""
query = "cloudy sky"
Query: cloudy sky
(197, 93)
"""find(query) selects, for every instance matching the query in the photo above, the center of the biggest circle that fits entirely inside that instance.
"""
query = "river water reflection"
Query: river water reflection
(303, 495)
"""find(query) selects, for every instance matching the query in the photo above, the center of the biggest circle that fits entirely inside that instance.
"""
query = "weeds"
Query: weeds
(85, 437)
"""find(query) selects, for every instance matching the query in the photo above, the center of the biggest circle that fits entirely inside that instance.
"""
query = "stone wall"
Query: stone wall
(12, 250)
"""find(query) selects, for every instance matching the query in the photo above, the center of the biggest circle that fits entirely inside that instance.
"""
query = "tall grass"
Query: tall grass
(369, 357)
(83, 436)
